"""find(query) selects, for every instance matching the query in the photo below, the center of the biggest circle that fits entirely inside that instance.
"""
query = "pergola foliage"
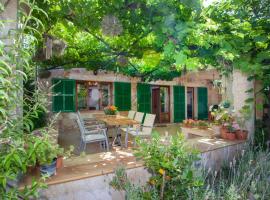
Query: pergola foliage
(157, 39)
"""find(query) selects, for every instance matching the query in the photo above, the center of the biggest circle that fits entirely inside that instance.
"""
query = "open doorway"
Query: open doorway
(190, 103)
(161, 103)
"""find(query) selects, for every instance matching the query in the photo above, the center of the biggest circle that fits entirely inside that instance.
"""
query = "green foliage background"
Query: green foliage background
(162, 38)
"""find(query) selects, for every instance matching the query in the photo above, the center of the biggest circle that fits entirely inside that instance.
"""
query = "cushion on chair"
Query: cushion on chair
(131, 114)
(130, 129)
(139, 116)
(93, 137)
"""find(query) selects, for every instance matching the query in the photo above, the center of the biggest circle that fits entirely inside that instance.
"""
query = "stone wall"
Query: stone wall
(193, 79)
(240, 85)
(9, 18)
(235, 87)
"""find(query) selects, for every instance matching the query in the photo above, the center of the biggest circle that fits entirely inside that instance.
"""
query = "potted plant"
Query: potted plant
(202, 124)
(63, 154)
(46, 154)
(110, 110)
(244, 116)
(221, 116)
(225, 104)
(231, 129)
(188, 123)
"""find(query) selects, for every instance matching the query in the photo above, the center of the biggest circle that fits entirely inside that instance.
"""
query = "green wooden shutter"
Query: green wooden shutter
(202, 95)
(63, 95)
(122, 96)
(69, 95)
(179, 103)
(57, 99)
(144, 97)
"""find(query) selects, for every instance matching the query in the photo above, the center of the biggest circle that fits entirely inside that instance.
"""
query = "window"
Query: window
(63, 95)
(82, 94)
(93, 95)
(105, 95)
(164, 95)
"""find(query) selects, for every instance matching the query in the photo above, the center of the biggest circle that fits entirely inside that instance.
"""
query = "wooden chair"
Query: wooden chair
(91, 136)
(143, 131)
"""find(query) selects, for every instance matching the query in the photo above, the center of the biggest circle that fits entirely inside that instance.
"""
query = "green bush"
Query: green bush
(171, 164)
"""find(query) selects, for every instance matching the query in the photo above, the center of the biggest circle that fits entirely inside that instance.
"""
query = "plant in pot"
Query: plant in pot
(231, 129)
(110, 110)
(63, 154)
(244, 116)
(202, 124)
(47, 153)
(222, 116)
(188, 123)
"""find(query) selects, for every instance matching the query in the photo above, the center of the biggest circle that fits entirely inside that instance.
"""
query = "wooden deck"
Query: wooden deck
(80, 167)
(91, 165)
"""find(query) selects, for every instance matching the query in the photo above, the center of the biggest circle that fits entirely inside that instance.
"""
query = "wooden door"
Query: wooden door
(156, 103)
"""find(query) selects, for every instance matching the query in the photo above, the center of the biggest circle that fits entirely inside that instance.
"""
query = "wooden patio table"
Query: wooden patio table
(117, 121)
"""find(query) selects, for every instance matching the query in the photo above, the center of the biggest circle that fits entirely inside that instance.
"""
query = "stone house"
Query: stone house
(188, 96)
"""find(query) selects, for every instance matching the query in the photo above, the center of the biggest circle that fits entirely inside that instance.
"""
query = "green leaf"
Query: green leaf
(180, 58)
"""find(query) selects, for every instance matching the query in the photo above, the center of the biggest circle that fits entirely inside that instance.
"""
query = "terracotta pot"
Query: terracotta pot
(223, 132)
(241, 135)
(231, 136)
(59, 162)
(32, 169)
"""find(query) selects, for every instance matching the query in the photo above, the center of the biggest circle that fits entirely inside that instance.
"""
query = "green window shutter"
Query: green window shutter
(63, 95)
(122, 96)
(69, 95)
(179, 103)
(202, 95)
(144, 97)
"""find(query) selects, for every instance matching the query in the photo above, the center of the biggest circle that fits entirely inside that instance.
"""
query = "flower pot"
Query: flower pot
(231, 136)
(14, 183)
(241, 135)
(217, 130)
(223, 132)
(59, 162)
(48, 169)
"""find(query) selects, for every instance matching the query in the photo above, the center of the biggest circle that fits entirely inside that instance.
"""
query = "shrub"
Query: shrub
(171, 164)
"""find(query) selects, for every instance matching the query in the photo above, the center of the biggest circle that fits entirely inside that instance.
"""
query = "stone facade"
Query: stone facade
(193, 79)
(235, 87)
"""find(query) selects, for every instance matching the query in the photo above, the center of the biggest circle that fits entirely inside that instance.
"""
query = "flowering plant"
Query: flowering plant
(232, 127)
(189, 122)
(110, 110)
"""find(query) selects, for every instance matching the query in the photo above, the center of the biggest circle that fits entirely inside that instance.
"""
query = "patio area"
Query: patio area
(97, 162)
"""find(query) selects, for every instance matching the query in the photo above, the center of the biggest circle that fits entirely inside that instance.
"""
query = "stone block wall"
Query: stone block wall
(192, 79)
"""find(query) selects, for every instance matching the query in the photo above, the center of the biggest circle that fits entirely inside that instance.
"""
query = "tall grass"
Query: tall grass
(248, 177)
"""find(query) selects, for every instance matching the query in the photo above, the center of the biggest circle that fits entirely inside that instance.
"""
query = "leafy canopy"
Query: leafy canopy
(158, 39)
